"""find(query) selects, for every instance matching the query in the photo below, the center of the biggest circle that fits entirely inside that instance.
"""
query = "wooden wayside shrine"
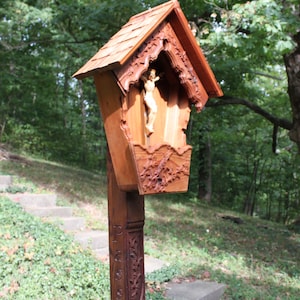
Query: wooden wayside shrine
(147, 77)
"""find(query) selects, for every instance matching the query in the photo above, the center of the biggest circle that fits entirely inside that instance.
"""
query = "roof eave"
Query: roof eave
(178, 21)
(145, 37)
(195, 54)
(83, 72)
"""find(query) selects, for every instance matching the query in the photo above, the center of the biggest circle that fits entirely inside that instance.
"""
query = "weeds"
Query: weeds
(255, 259)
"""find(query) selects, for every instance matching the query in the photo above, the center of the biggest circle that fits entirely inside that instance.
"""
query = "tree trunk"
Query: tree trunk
(292, 64)
(2, 129)
(209, 171)
(250, 201)
(204, 171)
(83, 124)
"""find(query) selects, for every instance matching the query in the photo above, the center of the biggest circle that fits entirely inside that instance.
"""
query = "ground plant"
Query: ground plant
(39, 261)
(256, 259)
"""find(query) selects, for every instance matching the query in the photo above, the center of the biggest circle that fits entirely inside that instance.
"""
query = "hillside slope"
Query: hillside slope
(255, 258)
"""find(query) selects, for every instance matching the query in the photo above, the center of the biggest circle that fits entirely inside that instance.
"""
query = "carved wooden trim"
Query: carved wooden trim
(135, 264)
(163, 39)
(117, 255)
(183, 67)
(162, 168)
(138, 64)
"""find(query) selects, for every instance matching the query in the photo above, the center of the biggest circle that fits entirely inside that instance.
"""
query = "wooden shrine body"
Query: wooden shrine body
(154, 163)
(158, 39)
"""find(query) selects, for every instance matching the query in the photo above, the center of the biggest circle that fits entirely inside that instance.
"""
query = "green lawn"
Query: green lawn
(256, 259)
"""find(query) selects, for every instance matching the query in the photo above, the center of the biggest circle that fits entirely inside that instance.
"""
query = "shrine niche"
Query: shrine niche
(147, 77)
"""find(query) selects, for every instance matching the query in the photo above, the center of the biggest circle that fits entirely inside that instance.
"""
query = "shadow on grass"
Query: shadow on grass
(256, 259)
(238, 287)
(75, 184)
(259, 258)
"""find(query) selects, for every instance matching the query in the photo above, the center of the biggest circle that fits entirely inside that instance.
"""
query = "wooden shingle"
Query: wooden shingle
(125, 42)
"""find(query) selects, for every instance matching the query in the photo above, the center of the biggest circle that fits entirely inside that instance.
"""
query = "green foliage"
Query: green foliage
(24, 137)
(164, 274)
(245, 43)
(16, 189)
(48, 114)
(238, 37)
(155, 281)
(39, 261)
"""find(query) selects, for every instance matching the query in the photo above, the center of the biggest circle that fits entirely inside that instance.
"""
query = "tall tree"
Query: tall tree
(41, 43)
(251, 45)
(292, 63)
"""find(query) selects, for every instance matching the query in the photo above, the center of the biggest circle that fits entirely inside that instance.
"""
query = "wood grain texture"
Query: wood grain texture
(110, 101)
(126, 240)
(162, 169)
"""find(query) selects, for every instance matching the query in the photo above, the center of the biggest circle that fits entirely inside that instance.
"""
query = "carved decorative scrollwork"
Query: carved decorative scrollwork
(138, 64)
(164, 39)
(118, 260)
(136, 264)
(162, 168)
(127, 253)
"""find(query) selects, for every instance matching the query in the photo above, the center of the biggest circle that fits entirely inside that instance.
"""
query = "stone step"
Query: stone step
(151, 264)
(197, 290)
(92, 239)
(102, 252)
(34, 200)
(69, 224)
(54, 211)
(98, 242)
(5, 182)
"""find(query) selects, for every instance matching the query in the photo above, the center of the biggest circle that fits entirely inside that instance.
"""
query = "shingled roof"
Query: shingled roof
(131, 36)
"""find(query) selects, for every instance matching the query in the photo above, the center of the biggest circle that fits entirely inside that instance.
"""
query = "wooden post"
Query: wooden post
(144, 162)
(126, 240)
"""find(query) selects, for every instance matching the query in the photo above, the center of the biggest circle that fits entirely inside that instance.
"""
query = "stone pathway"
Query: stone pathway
(44, 206)
(197, 290)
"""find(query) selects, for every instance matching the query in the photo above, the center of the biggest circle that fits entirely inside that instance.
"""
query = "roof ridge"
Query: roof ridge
(171, 3)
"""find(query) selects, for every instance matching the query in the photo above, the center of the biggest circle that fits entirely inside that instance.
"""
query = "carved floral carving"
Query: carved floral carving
(136, 264)
(130, 261)
(117, 256)
(162, 168)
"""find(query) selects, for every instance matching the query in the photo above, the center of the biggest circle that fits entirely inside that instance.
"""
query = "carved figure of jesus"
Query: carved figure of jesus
(149, 86)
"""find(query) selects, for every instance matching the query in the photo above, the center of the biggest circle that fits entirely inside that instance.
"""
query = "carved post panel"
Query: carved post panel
(147, 77)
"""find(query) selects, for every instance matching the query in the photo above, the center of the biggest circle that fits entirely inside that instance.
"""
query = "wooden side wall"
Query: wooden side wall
(110, 101)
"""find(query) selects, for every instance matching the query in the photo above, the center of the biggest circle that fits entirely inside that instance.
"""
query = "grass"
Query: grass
(256, 259)
(39, 261)
(83, 190)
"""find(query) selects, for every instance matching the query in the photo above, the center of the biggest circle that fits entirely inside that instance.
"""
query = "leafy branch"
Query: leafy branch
(229, 100)
(277, 122)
